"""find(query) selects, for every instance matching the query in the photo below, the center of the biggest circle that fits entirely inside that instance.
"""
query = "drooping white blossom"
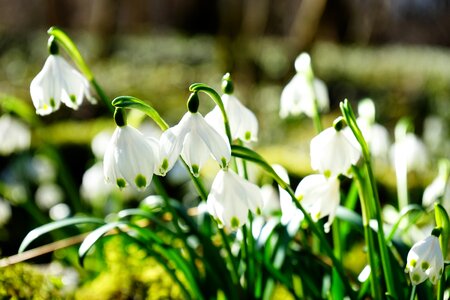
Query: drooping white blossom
(195, 140)
(58, 82)
(243, 122)
(319, 196)
(299, 95)
(332, 153)
(425, 260)
(130, 158)
(14, 135)
(439, 188)
(231, 199)
(411, 152)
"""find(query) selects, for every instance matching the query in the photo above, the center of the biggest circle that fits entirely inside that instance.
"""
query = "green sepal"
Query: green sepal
(193, 103)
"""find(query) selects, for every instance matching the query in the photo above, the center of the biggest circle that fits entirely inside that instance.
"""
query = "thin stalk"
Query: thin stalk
(368, 234)
(413, 292)
(350, 118)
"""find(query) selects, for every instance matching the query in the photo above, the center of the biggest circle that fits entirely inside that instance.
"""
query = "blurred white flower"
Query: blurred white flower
(48, 195)
(439, 189)
(195, 139)
(58, 81)
(130, 158)
(411, 152)
(59, 211)
(42, 169)
(425, 261)
(100, 143)
(332, 153)
(271, 201)
(243, 122)
(319, 196)
(93, 185)
(299, 94)
(231, 198)
(14, 135)
(5, 212)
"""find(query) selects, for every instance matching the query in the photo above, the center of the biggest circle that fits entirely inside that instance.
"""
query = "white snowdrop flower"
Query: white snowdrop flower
(439, 188)
(243, 122)
(48, 195)
(5, 212)
(42, 169)
(59, 211)
(93, 185)
(332, 153)
(299, 94)
(14, 135)
(271, 200)
(195, 139)
(130, 158)
(366, 110)
(231, 198)
(58, 82)
(425, 260)
(410, 150)
(319, 196)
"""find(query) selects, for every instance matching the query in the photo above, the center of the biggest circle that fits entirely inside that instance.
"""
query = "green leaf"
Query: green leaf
(442, 220)
(412, 208)
(136, 103)
(93, 237)
(72, 50)
(35, 233)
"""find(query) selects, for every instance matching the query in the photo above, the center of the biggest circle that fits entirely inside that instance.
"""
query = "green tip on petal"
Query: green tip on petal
(73, 98)
(425, 265)
(248, 135)
(415, 278)
(234, 222)
(140, 181)
(52, 102)
(258, 211)
(164, 166)
(299, 198)
(224, 162)
(121, 183)
(413, 263)
(327, 173)
(195, 170)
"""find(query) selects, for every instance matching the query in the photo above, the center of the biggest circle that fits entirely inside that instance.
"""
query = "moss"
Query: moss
(23, 281)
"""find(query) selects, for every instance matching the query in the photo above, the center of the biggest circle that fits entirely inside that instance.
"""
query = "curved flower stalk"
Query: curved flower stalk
(303, 91)
(231, 199)
(58, 82)
(243, 122)
(319, 196)
(425, 260)
(14, 135)
(130, 158)
(195, 140)
(332, 153)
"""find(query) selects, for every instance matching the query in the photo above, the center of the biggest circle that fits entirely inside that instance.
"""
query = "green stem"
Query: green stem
(101, 93)
(368, 234)
(413, 292)
(350, 118)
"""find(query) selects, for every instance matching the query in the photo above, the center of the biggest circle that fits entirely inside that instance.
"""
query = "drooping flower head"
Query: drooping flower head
(300, 94)
(425, 260)
(332, 153)
(58, 82)
(243, 122)
(130, 158)
(231, 198)
(195, 140)
(319, 196)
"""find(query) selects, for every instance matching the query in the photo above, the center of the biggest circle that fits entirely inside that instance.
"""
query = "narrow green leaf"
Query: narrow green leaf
(442, 220)
(136, 103)
(37, 232)
(412, 208)
(93, 237)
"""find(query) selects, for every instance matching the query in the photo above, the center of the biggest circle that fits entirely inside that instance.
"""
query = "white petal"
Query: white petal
(194, 152)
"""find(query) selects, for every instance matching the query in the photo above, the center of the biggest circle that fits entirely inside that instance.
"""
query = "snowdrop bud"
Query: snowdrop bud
(14, 135)
(231, 198)
(332, 153)
(227, 84)
(425, 260)
(319, 196)
(195, 140)
(130, 158)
